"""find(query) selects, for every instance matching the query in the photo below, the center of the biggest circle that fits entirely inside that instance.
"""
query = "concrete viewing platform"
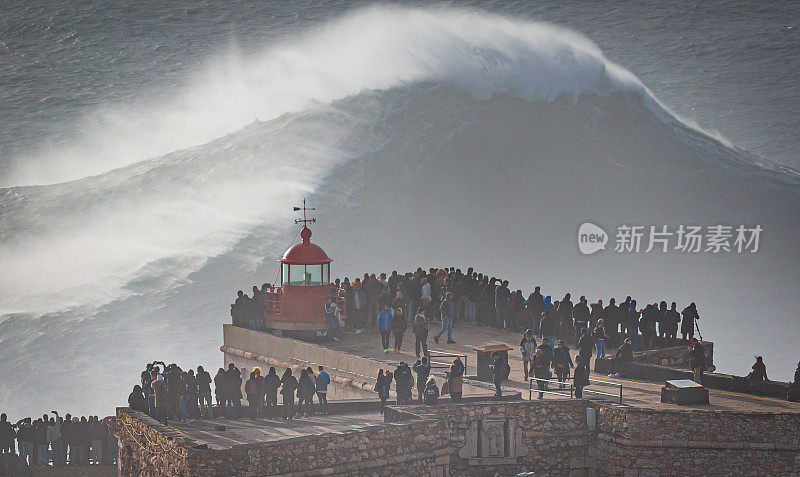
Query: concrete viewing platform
(360, 356)
(736, 433)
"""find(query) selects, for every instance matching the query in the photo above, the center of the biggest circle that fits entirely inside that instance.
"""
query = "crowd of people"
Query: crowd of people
(449, 296)
(56, 440)
(168, 393)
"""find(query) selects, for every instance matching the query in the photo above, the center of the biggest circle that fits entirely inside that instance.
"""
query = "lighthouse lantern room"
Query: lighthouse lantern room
(298, 303)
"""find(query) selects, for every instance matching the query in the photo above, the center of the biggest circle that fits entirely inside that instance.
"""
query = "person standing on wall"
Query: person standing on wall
(323, 380)
(289, 384)
(455, 380)
(498, 368)
(689, 317)
(698, 360)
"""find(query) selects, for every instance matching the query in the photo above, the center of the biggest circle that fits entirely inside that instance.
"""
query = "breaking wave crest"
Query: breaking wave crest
(426, 136)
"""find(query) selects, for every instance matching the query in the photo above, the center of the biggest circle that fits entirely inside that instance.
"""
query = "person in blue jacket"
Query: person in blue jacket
(331, 319)
(323, 380)
(385, 326)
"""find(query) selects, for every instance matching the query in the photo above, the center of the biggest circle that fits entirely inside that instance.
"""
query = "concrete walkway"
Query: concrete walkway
(467, 336)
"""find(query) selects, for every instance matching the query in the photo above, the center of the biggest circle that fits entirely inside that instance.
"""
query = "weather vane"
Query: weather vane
(304, 220)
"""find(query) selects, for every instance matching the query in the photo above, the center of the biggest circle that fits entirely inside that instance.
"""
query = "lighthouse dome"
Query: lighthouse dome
(305, 252)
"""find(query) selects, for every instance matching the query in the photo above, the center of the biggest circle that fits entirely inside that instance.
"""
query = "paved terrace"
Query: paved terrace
(249, 431)
(467, 336)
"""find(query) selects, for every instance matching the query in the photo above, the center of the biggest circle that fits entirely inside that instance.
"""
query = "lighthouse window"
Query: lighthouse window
(297, 274)
(313, 274)
(285, 274)
(325, 274)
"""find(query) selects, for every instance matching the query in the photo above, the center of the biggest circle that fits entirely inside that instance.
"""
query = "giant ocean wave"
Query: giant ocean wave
(424, 137)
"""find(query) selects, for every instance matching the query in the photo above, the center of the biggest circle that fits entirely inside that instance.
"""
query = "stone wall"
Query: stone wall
(632, 441)
(417, 447)
(548, 437)
(148, 448)
(675, 356)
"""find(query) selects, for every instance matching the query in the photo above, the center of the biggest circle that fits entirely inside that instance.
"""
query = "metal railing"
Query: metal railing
(445, 354)
(560, 392)
(603, 393)
(571, 388)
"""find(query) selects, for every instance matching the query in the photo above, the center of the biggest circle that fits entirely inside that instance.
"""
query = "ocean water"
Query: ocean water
(150, 155)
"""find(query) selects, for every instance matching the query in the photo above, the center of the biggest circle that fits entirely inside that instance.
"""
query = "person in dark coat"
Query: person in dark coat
(541, 370)
(423, 370)
(586, 343)
(136, 400)
(633, 323)
(7, 435)
(624, 356)
(671, 320)
(535, 306)
(501, 296)
(288, 386)
(565, 318)
(431, 392)
(611, 317)
(420, 329)
(233, 391)
(254, 388)
(383, 385)
(562, 362)
(405, 380)
(689, 317)
(581, 315)
(204, 391)
(219, 388)
(793, 391)
(455, 380)
(399, 325)
(548, 325)
(759, 372)
(581, 377)
(271, 384)
(697, 360)
(498, 368)
(305, 389)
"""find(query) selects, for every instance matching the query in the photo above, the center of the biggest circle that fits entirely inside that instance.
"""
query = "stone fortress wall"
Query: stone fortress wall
(553, 437)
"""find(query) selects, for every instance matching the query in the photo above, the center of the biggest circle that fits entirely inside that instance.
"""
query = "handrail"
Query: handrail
(606, 383)
(547, 391)
(531, 390)
(448, 354)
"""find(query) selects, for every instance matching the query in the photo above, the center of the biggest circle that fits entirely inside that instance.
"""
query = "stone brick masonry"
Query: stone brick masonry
(549, 437)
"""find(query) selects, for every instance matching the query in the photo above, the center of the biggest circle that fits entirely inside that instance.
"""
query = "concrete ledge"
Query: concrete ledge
(724, 382)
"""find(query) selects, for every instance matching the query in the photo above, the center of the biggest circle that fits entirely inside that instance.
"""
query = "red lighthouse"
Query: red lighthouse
(298, 303)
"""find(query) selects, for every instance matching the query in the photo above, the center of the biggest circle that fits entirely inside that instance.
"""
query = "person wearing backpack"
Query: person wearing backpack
(254, 388)
(420, 329)
(431, 393)
(383, 385)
